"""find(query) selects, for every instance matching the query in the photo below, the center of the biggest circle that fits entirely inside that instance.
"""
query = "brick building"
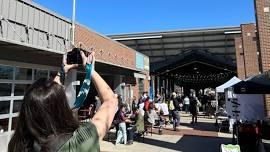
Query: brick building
(116, 62)
(32, 45)
(246, 52)
(262, 8)
(241, 71)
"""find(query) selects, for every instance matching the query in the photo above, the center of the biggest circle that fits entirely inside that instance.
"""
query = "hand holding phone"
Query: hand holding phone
(74, 56)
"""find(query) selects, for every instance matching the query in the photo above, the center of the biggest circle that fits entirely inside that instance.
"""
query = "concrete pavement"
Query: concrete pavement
(202, 136)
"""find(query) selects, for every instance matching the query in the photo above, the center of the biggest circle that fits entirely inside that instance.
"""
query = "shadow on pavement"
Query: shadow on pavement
(191, 144)
(203, 126)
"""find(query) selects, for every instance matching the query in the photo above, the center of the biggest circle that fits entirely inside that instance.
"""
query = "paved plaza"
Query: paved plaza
(202, 136)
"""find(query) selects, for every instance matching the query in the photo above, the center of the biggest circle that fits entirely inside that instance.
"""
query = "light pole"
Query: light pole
(70, 82)
(73, 22)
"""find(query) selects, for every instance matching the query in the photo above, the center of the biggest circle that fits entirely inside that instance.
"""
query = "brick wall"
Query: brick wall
(109, 51)
(240, 58)
(106, 49)
(250, 49)
(263, 30)
(246, 52)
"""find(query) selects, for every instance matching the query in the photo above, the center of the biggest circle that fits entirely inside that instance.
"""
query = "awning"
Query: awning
(228, 84)
(259, 84)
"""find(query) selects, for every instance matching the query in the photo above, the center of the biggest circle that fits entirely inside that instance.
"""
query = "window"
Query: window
(17, 105)
(23, 74)
(6, 72)
(3, 125)
(4, 107)
(20, 89)
(40, 74)
(14, 123)
(141, 86)
(5, 89)
(53, 73)
(13, 83)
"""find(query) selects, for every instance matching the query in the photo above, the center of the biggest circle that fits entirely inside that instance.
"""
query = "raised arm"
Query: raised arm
(104, 116)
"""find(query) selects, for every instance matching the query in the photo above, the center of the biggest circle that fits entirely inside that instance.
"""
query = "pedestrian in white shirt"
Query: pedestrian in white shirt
(186, 104)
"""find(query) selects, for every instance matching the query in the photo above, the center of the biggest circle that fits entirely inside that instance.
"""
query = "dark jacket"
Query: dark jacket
(176, 103)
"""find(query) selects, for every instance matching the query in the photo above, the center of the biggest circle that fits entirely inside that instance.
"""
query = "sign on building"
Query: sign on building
(139, 61)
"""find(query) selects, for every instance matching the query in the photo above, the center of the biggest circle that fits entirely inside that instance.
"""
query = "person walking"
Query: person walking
(186, 104)
(175, 111)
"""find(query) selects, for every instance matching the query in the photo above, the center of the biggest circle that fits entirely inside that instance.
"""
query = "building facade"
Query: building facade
(247, 52)
(262, 9)
(33, 40)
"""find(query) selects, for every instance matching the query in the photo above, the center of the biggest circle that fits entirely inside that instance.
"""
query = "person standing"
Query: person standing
(159, 98)
(122, 132)
(186, 104)
(135, 104)
(147, 104)
(175, 111)
(193, 109)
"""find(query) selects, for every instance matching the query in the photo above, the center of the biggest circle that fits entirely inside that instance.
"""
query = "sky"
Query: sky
(131, 16)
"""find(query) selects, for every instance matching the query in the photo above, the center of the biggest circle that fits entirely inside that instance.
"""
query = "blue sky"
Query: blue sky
(129, 16)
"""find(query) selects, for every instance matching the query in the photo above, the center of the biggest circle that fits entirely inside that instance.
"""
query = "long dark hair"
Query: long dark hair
(44, 113)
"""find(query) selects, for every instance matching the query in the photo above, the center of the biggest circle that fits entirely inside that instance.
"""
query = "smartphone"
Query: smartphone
(74, 56)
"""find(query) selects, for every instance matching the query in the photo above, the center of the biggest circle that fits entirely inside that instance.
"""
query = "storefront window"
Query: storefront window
(4, 107)
(14, 123)
(17, 105)
(3, 125)
(53, 73)
(41, 74)
(141, 86)
(5, 89)
(20, 89)
(6, 72)
(23, 74)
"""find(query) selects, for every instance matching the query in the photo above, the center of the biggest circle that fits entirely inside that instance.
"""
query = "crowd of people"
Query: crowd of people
(133, 119)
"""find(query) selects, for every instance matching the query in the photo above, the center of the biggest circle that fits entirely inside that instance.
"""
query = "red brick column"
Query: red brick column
(241, 73)
(250, 49)
(263, 29)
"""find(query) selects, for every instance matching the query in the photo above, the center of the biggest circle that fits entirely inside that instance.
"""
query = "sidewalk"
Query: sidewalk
(202, 136)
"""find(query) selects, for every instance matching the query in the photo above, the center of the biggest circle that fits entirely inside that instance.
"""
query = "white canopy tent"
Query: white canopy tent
(251, 105)
(221, 88)
(231, 82)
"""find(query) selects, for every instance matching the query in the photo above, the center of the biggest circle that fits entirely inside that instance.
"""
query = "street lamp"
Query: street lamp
(73, 22)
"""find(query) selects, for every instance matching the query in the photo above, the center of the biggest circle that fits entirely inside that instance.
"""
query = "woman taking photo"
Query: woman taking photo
(46, 122)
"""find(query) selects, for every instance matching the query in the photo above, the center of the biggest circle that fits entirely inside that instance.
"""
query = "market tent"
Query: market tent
(228, 84)
(250, 96)
(259, 84)
(249, 87)
(263, 78)
(222, 88)
(251, 107)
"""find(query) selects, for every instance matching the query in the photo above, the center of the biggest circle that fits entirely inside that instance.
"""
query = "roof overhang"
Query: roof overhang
(160, 46)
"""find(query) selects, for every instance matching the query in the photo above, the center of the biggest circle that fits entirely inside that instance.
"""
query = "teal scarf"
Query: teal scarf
(84, 88)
